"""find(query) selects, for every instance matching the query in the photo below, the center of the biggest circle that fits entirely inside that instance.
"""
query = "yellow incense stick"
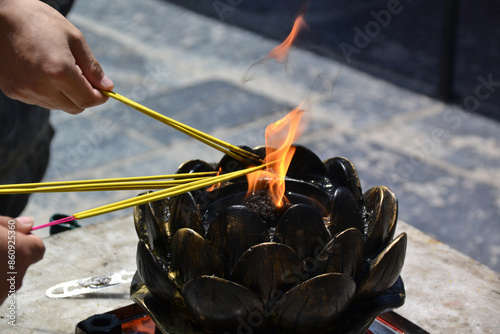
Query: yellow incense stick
(155, 196)
(100, 186)
(110, 180)
(174, 191)
(231, 150)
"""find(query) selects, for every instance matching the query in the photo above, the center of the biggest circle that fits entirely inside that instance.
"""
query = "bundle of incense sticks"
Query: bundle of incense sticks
(231, 150)
(200, 183)
(126, 183)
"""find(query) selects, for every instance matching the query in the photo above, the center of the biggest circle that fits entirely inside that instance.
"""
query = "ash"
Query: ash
(261, 203)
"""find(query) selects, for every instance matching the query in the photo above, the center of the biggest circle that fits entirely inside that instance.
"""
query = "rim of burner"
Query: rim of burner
(297, 191)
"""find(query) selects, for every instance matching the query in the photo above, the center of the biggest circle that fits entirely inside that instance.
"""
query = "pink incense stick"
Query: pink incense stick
(55, 222)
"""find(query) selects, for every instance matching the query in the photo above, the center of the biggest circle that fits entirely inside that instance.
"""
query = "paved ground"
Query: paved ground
(401, 41)
(443, 163)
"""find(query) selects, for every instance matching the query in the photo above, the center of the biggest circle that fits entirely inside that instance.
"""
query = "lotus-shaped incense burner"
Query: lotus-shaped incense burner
(220, 261)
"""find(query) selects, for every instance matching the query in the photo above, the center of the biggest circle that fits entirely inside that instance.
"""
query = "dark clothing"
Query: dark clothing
(25, 136)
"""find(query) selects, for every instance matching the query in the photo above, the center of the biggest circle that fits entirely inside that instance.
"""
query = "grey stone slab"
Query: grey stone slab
(147, 22)
(107, 49)
(446, 291)
(460, 138)
(366, 101)
(135, 72)
(86, 143)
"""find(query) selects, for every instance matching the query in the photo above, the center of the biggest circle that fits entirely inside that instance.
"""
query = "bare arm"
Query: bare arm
(45, 60)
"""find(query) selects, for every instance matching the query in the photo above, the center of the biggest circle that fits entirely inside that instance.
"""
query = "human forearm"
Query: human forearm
(46, 60)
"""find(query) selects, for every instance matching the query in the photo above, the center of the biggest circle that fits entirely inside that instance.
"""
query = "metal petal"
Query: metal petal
(344, 254)
(346, 213)
(392, 212)
(220, 305)
(302, 228)
(244, 230)
(194, 166)
(269, 269)
(140, 220)
(381, 207)
(193, 256)
(234, 231)
(385, 268)
(342, 172)
(153, 272)
(156, 229)
(184, 213)
(314, 305)
(229, 164)
(216, 233)
(305, 161)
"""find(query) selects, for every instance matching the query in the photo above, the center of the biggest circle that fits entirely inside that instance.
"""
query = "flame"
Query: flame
(280, 52)
(279, 152)
(217, 185)
(280, 135)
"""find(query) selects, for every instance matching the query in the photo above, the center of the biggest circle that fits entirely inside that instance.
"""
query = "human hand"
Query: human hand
(46, 60)
(18, 248)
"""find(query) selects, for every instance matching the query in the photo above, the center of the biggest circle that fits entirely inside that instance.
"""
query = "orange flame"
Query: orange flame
(281, 51)
(279, 152)
(280, 135)
(217, 185)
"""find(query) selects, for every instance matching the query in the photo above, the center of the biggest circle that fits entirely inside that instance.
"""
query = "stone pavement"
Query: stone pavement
(402, 41)
(443, 163)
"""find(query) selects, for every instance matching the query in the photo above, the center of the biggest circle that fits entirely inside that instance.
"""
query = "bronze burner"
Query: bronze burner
(218, 262)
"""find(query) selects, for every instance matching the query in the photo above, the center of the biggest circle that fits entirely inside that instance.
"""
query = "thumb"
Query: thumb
(90, 67)
(24, 224)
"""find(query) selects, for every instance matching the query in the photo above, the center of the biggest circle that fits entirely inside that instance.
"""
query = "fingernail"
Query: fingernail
(26, 220)
(106, 82)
